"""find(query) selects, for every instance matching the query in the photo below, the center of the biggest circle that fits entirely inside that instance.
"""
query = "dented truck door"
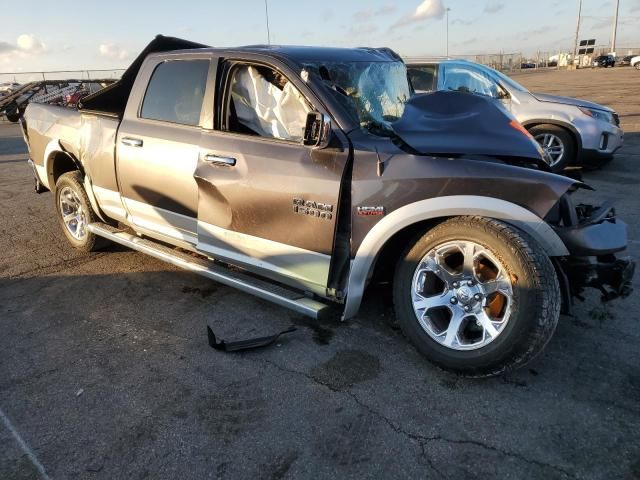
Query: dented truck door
(158, 145)
(266, 200)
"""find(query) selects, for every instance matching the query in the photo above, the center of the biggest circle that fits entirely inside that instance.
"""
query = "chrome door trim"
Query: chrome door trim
(287, 264)
(169, 224)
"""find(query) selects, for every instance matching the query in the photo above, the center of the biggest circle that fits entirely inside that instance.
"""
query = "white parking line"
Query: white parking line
(25, 448)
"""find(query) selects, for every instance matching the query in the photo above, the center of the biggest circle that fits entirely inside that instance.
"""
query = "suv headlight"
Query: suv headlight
(598, 114)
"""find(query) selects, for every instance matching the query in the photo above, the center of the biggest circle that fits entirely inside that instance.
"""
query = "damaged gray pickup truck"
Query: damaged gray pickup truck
(302, 175)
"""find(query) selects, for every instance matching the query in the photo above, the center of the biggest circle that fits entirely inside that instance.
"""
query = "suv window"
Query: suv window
(175, 92)
(422, 77)
(462, 78)
(264, 103)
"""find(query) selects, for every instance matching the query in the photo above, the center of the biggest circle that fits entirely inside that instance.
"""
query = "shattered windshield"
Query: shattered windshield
(373, 92)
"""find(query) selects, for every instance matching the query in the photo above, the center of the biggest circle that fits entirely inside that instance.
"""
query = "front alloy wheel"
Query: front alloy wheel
(553, 148)
(462, 295)
(476, 296)
(557, 143)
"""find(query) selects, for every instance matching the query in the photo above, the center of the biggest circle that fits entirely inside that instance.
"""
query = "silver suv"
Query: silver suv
(570, 131)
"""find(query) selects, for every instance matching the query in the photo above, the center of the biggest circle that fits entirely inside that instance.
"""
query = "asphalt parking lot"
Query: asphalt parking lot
(105, 371)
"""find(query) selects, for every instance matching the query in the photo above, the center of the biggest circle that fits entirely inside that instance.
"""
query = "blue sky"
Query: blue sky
(65, 34)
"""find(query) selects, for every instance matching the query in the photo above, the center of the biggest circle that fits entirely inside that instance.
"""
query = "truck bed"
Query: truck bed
(87, 138)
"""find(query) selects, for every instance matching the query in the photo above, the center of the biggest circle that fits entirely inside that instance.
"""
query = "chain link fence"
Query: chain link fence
(504, 62)
(80, 75)
(517, 61)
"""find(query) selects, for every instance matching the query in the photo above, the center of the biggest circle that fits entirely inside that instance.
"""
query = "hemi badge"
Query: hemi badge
(370, 211)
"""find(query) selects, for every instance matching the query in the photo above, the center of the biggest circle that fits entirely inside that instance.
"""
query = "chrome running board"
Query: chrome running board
(266, 290)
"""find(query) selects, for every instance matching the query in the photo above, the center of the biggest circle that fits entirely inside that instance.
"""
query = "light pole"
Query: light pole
(575, 46)
(447, 15)
(615, 28)
(266, 14)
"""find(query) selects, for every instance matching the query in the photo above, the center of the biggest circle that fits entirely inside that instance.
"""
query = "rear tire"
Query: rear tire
(524, 284)
(75, 213)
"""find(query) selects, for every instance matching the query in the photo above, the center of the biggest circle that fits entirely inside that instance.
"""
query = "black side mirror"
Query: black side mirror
(317, 130)
(502, 94)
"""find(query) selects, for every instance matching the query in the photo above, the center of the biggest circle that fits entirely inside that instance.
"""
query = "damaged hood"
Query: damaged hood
(454, 124)
(543, 97)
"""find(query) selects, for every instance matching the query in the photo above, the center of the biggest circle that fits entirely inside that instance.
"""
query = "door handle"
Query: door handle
(131, 142)
(221, 161)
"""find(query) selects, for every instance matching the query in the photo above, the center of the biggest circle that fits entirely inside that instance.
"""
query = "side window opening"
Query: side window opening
(264, 103)
(463, 79)
(422, 78)
(176, 91)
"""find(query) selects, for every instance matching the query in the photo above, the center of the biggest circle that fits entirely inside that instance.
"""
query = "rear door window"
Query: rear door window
(422, 77)
(175, 92)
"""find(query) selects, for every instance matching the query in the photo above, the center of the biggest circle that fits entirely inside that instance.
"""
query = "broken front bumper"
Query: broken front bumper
(593, 236)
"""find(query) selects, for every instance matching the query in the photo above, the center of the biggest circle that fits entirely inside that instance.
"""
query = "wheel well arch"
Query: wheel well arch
(406, 222)
(386, 260)
(59, 163)
(575, 135)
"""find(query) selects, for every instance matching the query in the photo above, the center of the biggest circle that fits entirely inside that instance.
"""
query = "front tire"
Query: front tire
(477, 296)
(557, 143)
(75, 213)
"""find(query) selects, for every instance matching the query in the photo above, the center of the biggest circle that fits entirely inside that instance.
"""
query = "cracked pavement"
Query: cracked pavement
(105, 370)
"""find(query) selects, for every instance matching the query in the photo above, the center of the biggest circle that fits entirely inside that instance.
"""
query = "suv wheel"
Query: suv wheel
(557, 144)
(75, 212)
(477, 296)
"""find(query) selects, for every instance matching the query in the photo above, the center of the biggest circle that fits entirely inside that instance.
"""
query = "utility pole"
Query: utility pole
(447, 14)
(575, 46)
(266, 14)
(615, 28)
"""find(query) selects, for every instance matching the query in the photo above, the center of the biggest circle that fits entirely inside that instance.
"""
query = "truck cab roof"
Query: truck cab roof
(113, 99)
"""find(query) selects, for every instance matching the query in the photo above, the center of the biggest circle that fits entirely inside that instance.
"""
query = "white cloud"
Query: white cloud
(113, 51)
(28, 43)
(427, 10)
(26, 46)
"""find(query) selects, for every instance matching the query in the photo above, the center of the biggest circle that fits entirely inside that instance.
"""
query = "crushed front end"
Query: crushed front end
(594, 237)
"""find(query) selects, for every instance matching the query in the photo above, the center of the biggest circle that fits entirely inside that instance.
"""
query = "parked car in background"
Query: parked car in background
(84, 89)
(635, 62)
(624, 61)
(8, 87)
(604, 61)
(571, 131)
(345, 178)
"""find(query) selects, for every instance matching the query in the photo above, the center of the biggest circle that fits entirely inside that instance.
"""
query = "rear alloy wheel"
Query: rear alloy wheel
(477, 296)
(557, 144)
(75, 212)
